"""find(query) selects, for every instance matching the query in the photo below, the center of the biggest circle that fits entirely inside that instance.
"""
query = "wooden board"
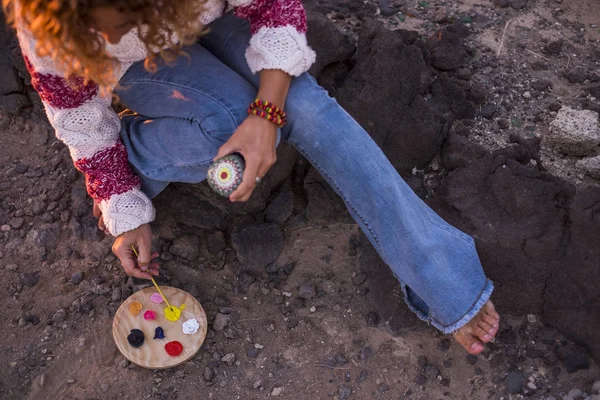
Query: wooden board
(152, 353)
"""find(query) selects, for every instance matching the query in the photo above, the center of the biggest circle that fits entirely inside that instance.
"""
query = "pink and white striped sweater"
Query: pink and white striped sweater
(86, 123)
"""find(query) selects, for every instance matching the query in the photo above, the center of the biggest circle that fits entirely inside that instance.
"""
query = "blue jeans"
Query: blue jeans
(184, 112)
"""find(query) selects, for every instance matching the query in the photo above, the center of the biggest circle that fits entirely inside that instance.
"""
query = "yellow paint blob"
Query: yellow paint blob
(173, 313)
(135, 307)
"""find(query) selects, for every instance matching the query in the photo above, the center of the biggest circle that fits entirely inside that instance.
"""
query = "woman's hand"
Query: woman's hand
(255, 139)
(140, 266)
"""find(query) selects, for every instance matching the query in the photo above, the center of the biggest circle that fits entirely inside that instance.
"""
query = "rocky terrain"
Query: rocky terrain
(487, 108)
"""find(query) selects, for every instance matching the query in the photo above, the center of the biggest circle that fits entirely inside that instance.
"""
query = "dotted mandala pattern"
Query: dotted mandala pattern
(225, 175)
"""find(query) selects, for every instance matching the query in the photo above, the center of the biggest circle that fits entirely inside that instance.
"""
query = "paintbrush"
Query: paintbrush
(153, 281)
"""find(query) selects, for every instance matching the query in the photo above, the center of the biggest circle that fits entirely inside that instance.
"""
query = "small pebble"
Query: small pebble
(276, 391)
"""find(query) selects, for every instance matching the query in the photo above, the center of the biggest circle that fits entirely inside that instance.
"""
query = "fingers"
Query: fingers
(243, 192)
(126, 256)
(143, 259)
(225, 150)
(96, 210)
(102, 225)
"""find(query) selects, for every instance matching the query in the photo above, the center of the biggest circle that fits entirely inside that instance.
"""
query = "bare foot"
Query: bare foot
(481, 329)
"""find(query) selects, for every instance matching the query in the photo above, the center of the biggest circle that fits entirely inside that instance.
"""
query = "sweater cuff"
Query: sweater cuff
(282, 48)
(126, 211)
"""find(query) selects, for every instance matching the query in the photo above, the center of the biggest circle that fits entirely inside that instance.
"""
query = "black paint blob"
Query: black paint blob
(136, 338)
(158, 333)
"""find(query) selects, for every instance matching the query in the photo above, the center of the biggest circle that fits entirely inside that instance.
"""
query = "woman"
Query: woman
(195, 108)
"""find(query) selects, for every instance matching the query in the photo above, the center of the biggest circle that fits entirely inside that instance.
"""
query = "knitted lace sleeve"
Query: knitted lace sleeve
(86, 123)
(278, 30)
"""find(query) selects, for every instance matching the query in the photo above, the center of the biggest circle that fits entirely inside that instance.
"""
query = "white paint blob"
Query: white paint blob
(190, 326)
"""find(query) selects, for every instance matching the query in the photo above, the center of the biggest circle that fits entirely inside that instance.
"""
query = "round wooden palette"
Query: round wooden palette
(152, 353)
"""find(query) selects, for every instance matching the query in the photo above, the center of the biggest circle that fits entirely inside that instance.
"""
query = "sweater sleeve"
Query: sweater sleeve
(86, 123)
(278, 39)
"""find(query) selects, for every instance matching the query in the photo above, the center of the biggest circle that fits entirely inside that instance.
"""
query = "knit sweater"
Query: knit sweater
(86, 123)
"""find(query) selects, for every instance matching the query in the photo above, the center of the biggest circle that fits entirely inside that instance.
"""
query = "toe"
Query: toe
(494, 323)
(469, 342)
(491, 310)
(482, 334)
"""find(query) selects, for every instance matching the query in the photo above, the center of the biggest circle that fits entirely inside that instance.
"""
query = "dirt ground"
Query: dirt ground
(61, 285)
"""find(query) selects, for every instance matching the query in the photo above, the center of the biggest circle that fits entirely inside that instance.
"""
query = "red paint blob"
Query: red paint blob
(223, 175)
(173, 348)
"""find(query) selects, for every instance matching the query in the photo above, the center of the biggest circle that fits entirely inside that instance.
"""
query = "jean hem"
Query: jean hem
(449, 329)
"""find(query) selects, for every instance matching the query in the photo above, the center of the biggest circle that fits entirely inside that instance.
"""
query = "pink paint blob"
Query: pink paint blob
(149, 315)
(156, 298)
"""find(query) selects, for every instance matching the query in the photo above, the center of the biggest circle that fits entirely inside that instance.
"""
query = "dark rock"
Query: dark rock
(554, 107)
(431, 371)
(539, 65)
(450, 99)
(447, 363)
(208, 374)
(420, 380)
(444, 344)
(501, 3)
(514, 382)
(298, 302)
(362, 375)
(459, 151)
(422, 361)
(365, 353)
(280, 209)
(344, 392)
(14, 103)
(187, 246)
(472, 359)
(327, 40)
(488, 111)
(359, 279)
(463, 74)
(369, 89)
(449, 53)
(576, 75)
(503, 123)
(504, 204)
(574, 360)
(576, 278)
(307, 291)
(76, 278)
(46, 236)
(542, 85)
(16, 223)
(554, 48)
(340, 359)
(445, 382)
(478, 93)
(220, 322)
(28, 279)
(518, 4)
(221, 301)
(246, 278)
(216, 242)
(252, 352)
(257, 245)
(383, 388)
(347, 377)
(372, 319)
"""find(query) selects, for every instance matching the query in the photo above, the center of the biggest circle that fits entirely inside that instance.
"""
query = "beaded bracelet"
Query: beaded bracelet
(277, 120)
(269, 111)
(268, 107)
